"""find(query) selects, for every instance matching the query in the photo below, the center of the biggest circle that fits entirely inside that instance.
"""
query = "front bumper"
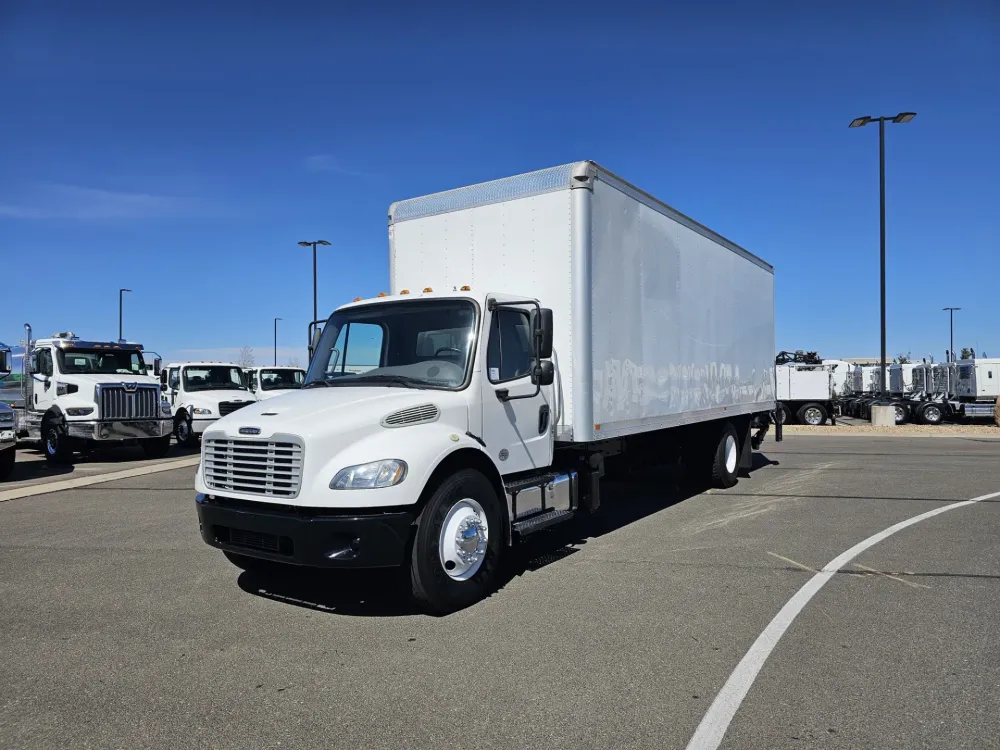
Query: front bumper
(314, 537)
(8, 436)
(133, 429)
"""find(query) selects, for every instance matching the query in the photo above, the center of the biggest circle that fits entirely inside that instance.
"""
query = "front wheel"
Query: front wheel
(458, 544)
(156, 447)
(183, 431)
(56, 443)
(726, 461)
(7, 463)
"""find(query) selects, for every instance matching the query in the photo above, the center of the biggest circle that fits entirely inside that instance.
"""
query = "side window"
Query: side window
(175, 378)
(45, 362)
(363, 342)
(509, 353)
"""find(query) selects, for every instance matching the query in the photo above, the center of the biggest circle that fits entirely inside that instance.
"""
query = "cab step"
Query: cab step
(541, 521)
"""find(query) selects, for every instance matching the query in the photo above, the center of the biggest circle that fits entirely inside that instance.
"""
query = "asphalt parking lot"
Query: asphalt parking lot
(120, 628)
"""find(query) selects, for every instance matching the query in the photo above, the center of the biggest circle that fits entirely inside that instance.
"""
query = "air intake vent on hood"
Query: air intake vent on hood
(413, 415)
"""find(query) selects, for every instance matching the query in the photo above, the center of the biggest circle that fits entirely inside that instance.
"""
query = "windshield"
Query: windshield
(426, 344)
(101, 361)
(273, 380)
(213, 378)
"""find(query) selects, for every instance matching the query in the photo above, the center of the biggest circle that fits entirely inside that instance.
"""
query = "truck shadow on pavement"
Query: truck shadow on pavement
(383, 593)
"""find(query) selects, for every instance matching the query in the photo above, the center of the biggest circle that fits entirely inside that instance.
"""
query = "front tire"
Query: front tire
(902, 413)
(7, 463)
(726, 461)
(156, 447)
(184, 432)
(56, 443)
(458, 544)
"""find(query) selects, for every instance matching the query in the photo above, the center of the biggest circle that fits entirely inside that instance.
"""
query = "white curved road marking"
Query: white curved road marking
(68, 484)
(713, 726)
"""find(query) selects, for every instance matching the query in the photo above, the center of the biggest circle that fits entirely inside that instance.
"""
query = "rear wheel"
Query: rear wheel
(458, 544)
(56, 443)
(782, 414)
(812, 414)
(726, 459)
(156, 447)
(7, 463)
(902, 413)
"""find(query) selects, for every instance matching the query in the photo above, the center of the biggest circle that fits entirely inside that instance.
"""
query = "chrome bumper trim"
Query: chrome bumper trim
(140, 428)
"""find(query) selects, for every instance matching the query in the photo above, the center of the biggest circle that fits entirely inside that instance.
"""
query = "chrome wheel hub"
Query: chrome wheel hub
(813, 416)
(464, 538)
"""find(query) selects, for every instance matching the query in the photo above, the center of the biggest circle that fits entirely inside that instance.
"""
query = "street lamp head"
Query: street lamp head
(306, 244)
(322, 242)
(317, 242)
(124, 290)
(859, 122)
(904, 117)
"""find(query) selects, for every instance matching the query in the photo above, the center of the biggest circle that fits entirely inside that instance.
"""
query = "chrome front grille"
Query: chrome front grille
(256, 467)
(117, 402)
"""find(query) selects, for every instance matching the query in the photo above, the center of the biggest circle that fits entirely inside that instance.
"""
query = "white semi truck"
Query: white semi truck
(268, 382)
(8, 433)
(78, 394)
(535, 327)
(199, 393)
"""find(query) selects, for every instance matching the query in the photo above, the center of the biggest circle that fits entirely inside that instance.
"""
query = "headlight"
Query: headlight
(165, 407)
(385, 473)
(80, 411)
(198, 410)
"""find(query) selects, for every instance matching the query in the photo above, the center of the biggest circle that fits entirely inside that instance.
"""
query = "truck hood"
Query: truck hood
(92, 380)
(339, 410)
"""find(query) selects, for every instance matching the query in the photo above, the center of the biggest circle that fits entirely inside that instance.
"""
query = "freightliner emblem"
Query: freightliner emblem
(249, 430)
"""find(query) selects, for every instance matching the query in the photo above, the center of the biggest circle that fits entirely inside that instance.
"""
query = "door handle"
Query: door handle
(543, 419)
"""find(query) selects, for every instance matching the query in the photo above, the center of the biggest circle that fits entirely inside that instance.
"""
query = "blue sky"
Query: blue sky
(183, 151)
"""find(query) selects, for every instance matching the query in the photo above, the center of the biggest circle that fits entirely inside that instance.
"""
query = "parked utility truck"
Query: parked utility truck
(536, 327)
(79, 394)
(199, 393)
(8, 436)
(805, 393)
(268, 382)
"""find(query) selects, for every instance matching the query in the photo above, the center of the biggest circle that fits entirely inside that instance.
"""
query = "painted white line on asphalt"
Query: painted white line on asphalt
(713, 726)
(68, 484)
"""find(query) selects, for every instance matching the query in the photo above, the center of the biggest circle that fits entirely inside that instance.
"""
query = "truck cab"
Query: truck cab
(199, 393)
(8, 437)
(268, 382)
(79, 394)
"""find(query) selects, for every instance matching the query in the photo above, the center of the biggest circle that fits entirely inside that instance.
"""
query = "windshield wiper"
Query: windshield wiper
(387, 379)
(314, 383)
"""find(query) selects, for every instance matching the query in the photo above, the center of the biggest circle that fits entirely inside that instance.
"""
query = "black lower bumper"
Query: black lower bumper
(305, 536)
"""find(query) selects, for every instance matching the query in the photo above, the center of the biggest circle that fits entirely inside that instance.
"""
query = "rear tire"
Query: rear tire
(7, 463)
(902, 413)
(458, 544)
(156, 447)
(812, 414)
(726, 461)
(782, 414)
(56, 443)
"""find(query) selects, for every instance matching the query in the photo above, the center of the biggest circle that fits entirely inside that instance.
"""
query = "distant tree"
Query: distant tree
(293, 362)
(901, 359)
(966, 353)
(245, 359)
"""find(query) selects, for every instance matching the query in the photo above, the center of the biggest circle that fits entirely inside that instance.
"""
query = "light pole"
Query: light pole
(951, 326)
(276, 341)
(313, 245)
(120, 292)
(861, 122)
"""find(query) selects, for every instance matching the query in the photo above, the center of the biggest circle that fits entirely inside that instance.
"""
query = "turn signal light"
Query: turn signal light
(428, 289)
(466, 288)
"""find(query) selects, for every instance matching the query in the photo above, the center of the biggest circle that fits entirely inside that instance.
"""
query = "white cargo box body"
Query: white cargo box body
(978, 379)
(658, 321)
(803, 383)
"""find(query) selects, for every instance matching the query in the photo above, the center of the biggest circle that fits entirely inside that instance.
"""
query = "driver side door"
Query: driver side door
(517, 431)
(43, 386)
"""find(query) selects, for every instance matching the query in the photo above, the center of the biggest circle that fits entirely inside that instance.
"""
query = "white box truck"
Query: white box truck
(534, 326)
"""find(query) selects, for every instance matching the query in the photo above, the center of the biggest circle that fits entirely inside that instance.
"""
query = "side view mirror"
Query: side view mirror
(163, 387)
(543, 373)
(33, 363)
(157, 366)
(5, 363)
(541, 328)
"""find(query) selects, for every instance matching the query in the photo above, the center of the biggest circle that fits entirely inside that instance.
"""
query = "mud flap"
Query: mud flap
(749, 442)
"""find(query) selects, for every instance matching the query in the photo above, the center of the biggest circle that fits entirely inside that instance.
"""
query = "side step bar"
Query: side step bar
(541, 521)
